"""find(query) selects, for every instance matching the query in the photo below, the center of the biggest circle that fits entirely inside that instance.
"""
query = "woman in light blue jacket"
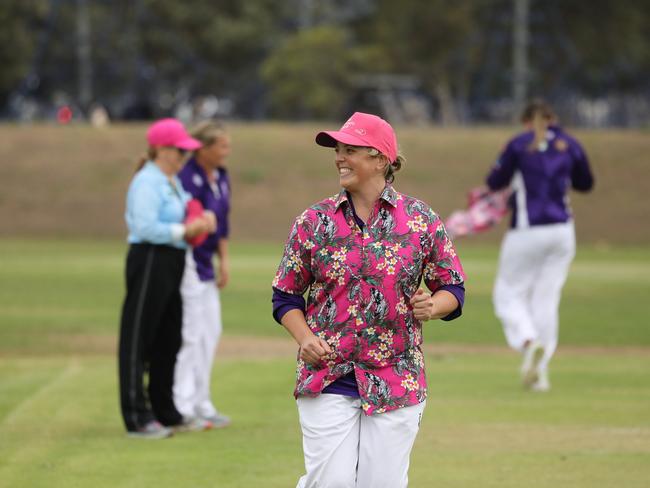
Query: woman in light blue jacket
(150, 332)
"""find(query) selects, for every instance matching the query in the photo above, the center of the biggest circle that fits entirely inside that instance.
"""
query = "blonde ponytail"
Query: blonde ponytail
(539, 115)
(394, 167)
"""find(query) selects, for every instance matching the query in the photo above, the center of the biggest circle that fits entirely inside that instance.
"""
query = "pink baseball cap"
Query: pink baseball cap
(363, 130)
(171, 133)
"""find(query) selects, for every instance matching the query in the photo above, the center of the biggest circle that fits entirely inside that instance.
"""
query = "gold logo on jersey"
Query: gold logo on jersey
(561, 145)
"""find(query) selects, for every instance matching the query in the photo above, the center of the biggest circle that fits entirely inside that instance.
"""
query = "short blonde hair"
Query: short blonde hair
(208, 131)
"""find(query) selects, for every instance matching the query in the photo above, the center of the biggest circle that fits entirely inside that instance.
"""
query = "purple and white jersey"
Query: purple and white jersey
(540, 177)
(214, 196)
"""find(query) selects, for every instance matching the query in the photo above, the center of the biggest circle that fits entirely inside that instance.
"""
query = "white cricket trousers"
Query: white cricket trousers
(533, 267)
(201, 332)
(344, 448)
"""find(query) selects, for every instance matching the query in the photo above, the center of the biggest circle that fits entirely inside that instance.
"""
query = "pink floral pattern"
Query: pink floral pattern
(360, 284)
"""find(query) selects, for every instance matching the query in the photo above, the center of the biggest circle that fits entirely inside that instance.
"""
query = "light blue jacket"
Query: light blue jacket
(155, 209)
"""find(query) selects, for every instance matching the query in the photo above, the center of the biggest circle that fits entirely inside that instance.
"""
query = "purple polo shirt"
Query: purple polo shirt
(541, 177)
(215, 197)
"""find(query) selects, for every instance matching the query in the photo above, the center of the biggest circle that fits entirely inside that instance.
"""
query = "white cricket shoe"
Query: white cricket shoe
(192, 424)
(218, 420)
(542, 384)
(151, 430)
(532, 356)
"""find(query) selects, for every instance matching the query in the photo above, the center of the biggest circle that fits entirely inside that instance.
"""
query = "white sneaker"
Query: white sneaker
(542, 384)
(217, 420)
(532, 356)
(151, 430)
(192, 424)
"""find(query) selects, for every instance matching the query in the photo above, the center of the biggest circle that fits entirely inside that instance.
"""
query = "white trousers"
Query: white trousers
(533, 267)
(201, 332)
(344, 448)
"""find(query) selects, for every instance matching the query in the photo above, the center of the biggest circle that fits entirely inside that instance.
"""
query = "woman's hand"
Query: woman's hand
(206, 223)
(223, 273)
(423, 305)
(210, 220)
(313, 349)
(194, 228)
(428, 307)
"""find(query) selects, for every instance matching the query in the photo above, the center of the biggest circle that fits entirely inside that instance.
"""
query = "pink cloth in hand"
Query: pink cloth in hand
(485, 209)
(193, 211)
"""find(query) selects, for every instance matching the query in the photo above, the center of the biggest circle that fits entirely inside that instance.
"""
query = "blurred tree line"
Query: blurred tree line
(315, 58)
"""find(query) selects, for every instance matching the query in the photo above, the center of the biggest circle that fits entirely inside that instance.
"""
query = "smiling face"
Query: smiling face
(357, 168)
(215, 154)
(170, 159)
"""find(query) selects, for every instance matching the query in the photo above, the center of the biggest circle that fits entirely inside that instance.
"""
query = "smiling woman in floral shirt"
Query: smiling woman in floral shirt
(361, 384)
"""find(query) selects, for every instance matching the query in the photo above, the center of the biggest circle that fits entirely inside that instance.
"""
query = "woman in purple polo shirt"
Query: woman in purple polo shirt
(205, 177)
(540, 165)
(361, 386)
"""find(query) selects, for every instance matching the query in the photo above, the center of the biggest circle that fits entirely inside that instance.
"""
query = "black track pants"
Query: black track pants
(150, 334)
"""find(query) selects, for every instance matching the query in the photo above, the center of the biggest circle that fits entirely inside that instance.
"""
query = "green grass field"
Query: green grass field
(63, 297)
(59, 413)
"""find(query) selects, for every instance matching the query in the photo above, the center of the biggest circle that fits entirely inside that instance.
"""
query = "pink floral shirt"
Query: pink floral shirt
(360, 283)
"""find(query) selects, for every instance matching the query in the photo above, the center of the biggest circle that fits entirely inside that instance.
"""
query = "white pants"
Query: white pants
(533, 268)
(344, 448)
(201, 333)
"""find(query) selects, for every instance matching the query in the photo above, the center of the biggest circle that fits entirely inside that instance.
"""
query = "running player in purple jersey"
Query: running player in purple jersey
(540, 165)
